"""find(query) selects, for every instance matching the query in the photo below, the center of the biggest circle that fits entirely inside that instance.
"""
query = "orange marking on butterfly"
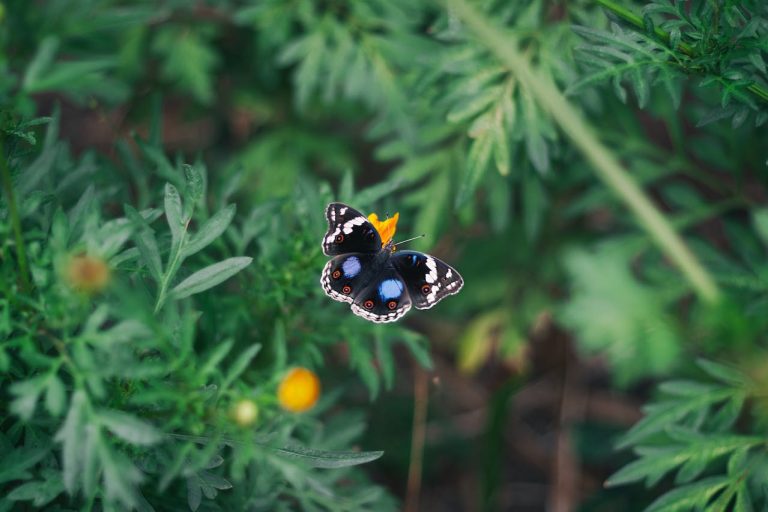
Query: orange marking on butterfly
(386, 228)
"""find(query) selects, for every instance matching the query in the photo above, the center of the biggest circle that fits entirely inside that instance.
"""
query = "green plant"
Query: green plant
(691, 431)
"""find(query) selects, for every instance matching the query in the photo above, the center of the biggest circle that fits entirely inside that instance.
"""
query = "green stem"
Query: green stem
(21, 252)
(504, 45)
(174, 261)
(637, 21)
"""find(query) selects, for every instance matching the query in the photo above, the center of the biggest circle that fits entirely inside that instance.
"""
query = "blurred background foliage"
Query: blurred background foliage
(165, 170)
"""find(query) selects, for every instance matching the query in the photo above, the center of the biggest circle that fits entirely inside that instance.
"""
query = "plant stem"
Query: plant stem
(637, 21)
(549, 98)
(21, 252)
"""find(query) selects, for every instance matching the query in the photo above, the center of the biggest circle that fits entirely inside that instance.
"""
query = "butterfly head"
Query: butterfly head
(386, 228)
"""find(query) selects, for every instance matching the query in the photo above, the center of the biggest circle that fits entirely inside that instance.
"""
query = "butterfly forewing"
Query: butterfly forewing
(349, 231)
(428, 279)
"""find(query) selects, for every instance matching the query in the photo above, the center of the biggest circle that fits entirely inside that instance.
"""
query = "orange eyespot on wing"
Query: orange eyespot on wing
(386, 228)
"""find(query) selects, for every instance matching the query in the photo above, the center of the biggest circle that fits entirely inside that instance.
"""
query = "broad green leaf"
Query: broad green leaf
(145, 241)
(70, 435)
(55, 397)
(26, 395)
(129, 427)
(120, 475)
(209, 231)
(194, 493)
(325, 459)
(173, 213)
(194, 188)
(210, 276)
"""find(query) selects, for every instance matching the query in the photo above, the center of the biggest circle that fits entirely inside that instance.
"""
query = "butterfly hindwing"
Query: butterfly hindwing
(428, 279)
(349, 231)
(385, 299)
(345, 276)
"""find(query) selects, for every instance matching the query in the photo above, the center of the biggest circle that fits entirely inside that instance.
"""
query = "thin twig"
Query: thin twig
(418, 433)
(21, 253)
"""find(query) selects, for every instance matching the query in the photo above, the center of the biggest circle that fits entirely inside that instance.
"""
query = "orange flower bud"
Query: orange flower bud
(299, 390)
(386, 228)
(88, 274)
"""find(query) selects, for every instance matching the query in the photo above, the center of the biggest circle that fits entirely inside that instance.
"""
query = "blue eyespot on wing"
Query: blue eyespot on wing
(428, 279)
(345, 276)
(349, 231)
(385, 299)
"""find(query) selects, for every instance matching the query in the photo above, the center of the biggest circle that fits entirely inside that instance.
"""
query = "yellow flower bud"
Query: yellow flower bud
(246, 412)
(88, 274)
(299, 390)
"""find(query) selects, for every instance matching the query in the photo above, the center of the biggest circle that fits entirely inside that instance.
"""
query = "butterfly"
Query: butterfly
(381, 284)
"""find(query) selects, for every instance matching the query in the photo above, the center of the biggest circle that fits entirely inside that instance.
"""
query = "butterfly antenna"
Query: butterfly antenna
(410, 239)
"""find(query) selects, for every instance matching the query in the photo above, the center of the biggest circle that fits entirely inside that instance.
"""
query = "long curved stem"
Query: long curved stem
(636, 21)
(504, 46)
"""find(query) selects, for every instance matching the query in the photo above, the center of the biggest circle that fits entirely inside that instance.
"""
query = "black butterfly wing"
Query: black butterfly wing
(385, 299)
(345, 276)
(428, 279)
(349, 231)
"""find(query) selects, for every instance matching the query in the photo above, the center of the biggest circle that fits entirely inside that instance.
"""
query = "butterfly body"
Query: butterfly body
(380, 284)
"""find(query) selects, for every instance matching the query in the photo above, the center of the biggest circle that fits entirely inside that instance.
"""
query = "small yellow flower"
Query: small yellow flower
(386, 228)
(246, 412)
(89, 274)
(299, 390)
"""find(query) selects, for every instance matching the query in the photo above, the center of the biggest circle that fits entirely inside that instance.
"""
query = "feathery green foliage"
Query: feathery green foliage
(594, 165)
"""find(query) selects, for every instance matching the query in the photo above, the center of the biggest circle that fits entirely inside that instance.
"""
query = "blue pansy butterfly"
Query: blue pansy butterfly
(380, 284)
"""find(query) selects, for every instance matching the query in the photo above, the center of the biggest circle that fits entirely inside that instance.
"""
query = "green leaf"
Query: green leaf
(723, 373)
(240, 364)
(688, 497)
(39, 492)
(187, 59)
(145, 241)
(41, 62)
(216, 356)
(477, 163)
(660, 416)
(173, 213)
(210, 231)
(55, 397)
(325, 459)
(194, 493)
(194, 188)
(71, 435)
(120, 476)
(27, 393)
(129, 427)
(210, 276)
(16, 462)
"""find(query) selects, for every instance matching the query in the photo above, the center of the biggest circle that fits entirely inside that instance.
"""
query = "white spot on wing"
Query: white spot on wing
(350, 224)
(431, 277)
